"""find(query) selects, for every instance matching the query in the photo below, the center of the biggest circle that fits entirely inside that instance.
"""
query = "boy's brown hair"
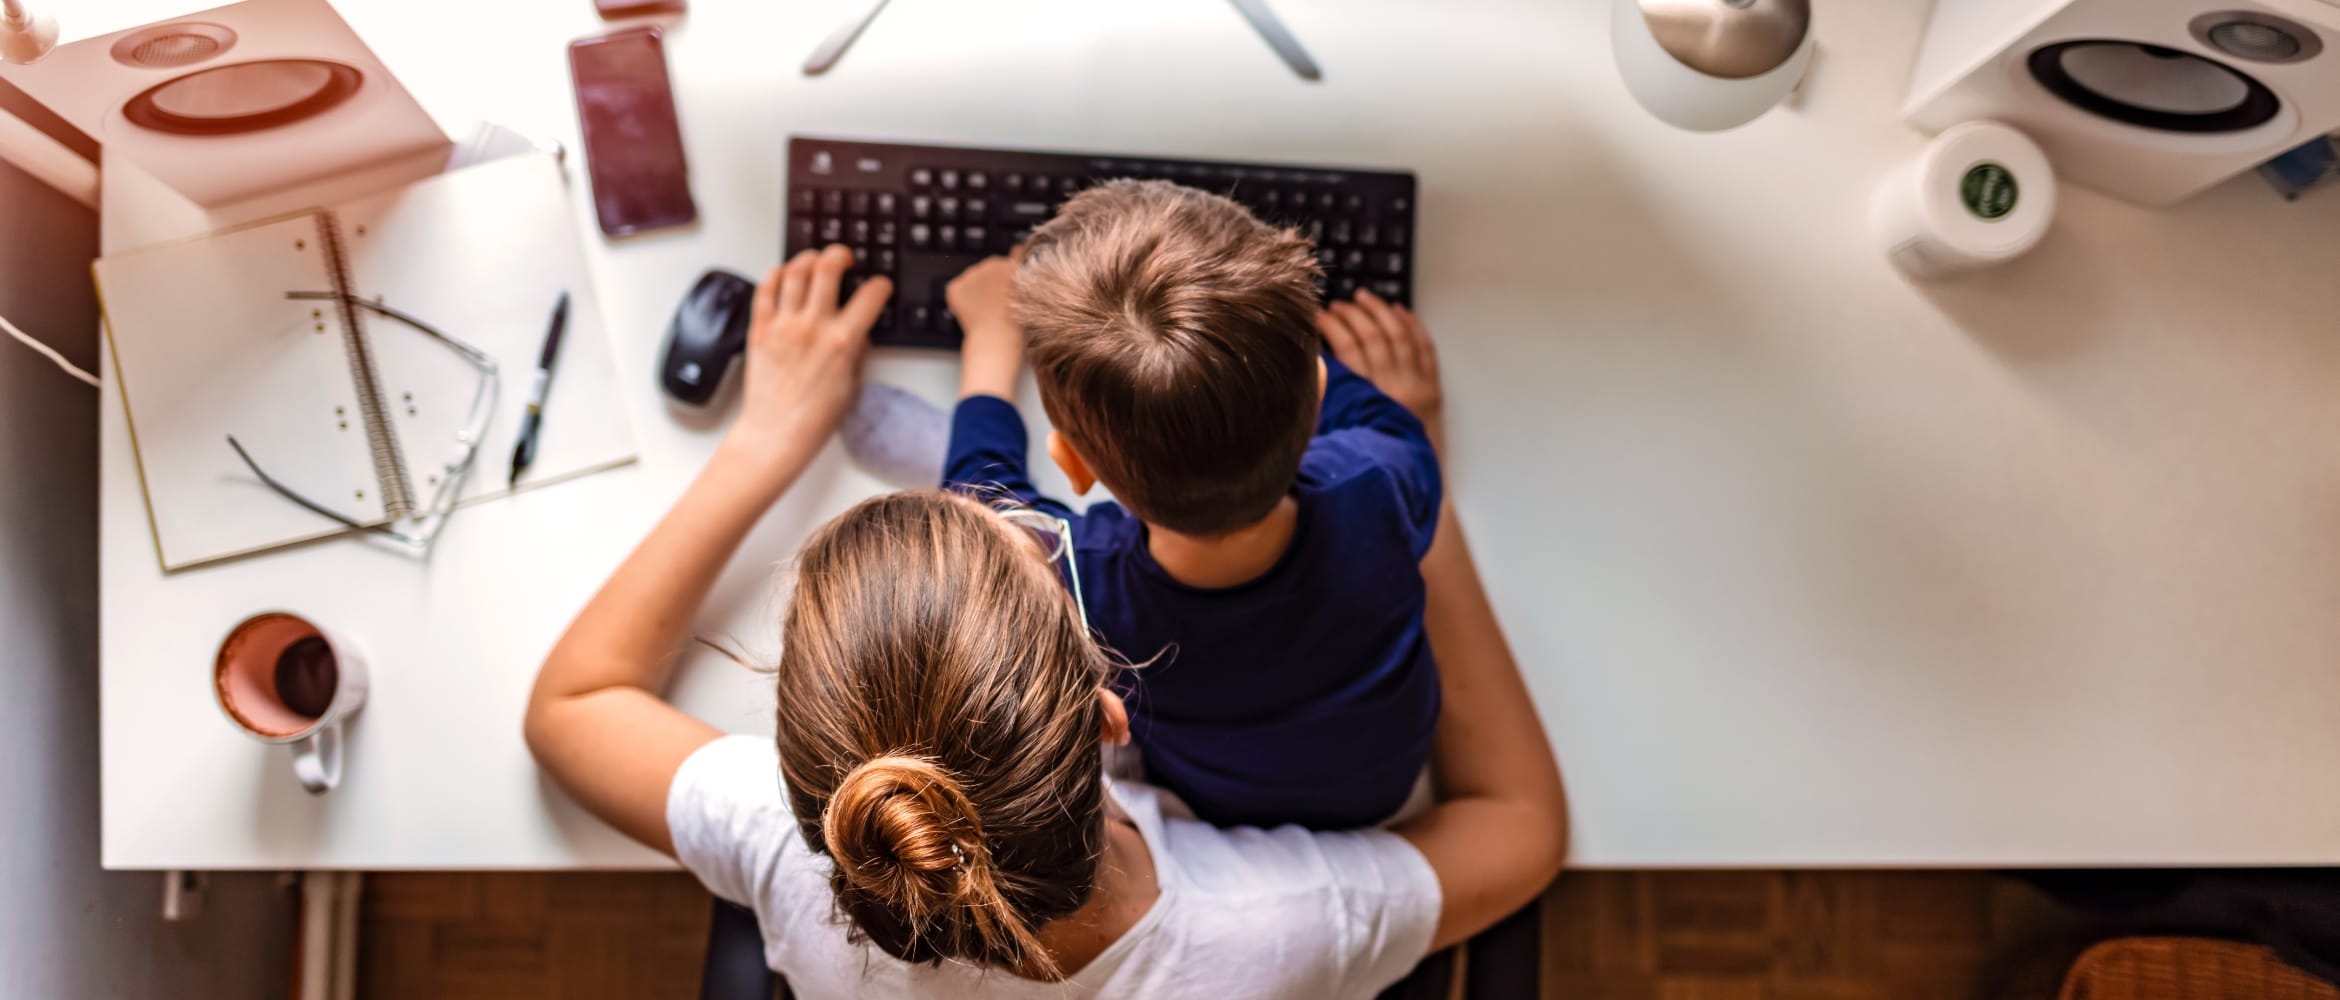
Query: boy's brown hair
(1174, 339)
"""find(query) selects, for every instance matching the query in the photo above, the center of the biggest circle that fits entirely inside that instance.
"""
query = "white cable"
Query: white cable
(48, 352)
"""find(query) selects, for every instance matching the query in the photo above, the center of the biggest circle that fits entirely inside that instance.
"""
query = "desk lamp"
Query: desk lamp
(24, 38)
(1709, 65)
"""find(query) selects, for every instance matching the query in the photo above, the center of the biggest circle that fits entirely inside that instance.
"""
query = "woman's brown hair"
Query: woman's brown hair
(939, 730)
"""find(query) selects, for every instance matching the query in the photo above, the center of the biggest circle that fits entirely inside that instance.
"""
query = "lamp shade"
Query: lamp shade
(1709, 65)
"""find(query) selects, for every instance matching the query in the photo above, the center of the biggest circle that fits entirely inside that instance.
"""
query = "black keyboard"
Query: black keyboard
(921, 214)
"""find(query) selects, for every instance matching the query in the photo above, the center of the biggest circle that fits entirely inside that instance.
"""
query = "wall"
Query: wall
(68, 929)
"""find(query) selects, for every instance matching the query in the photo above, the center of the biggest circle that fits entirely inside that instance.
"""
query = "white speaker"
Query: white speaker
(2147, 100)
(235, 101)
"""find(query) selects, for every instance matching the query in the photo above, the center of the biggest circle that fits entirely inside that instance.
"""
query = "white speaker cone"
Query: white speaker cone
(2153, 86)
(2156, 78)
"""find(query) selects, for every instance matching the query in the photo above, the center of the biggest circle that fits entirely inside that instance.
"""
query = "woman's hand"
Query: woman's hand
(804, 356)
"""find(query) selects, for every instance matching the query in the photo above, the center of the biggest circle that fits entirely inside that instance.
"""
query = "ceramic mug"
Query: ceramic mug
(282, 679)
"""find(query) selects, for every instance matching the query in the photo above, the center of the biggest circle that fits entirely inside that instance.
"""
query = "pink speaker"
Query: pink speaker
(235, 101)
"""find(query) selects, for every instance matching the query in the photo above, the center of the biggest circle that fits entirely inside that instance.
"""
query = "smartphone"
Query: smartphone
(633, 144)
(612, 10)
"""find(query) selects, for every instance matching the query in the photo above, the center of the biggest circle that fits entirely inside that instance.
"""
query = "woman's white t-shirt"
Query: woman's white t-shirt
(1242, 913)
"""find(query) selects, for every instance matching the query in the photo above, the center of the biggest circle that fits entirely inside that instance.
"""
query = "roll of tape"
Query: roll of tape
(1980, 194)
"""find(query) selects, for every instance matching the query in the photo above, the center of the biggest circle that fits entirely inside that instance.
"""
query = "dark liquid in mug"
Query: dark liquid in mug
(306, 676)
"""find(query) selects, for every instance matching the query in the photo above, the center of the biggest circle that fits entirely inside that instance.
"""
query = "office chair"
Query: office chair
(1504, 961)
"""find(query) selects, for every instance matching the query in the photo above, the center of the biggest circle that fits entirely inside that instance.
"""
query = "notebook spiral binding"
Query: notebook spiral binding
(381, 437)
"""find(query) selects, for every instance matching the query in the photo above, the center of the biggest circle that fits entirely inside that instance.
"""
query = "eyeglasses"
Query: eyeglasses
(1056, 537)
(409, 528)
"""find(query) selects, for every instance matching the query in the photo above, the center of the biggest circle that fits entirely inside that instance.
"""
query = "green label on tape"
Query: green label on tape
(1988, 190)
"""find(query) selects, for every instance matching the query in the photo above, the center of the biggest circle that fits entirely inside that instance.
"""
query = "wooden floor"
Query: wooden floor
(1608, 935)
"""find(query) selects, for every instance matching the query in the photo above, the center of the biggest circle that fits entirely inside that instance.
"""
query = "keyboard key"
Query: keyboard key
(921, 207)
(974, 237)
(857, 203)
(886, 204)
(978, 181)
(885, 262)
(1042, 185)
(947, 238)
(859, 229)
(802, 201)
(1389, 263)
(1391, 290)
(946, 208)
(800, 233)
(1368, 235)
(921, 236)
(1272, 201)
(884, 236)
(1026, 211)
(860, 257)
(921, 178)
(1326, 201)
(1340, 231)
(1397, 236)
(1400, 205)
(1353, 204)
(1344, 287)
(1314, 230)
(918, 317)
(1353, 261)
(978, 208)
(948, 179)
(832, 230)
(1328, 258)
(1014, 184)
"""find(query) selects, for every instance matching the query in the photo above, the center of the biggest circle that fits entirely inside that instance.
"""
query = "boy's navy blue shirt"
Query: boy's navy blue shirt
(1305, 696)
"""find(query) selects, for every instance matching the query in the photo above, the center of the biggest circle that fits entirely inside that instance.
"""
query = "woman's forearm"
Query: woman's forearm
(627, 635)
(1500, 829)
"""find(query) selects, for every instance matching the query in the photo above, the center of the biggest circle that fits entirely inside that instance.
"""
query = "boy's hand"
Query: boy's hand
(1388, 346)
(993, 353)
(804, 354)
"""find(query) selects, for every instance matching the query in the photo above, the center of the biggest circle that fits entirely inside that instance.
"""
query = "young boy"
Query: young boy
(1274, 506)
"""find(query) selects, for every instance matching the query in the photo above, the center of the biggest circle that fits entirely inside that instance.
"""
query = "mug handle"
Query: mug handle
(317, 758)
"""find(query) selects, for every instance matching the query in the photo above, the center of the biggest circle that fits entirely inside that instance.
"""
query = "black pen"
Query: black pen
(525, 451)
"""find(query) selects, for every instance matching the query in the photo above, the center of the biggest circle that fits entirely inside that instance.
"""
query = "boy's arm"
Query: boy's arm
(1383, 373)
(987, 454)
(989, 449)
(992, 353)
(1378, 348)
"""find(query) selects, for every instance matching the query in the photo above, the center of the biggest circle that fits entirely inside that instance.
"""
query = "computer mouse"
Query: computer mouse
(709, 331)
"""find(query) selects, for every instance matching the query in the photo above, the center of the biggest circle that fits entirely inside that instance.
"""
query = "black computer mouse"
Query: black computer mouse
(708, 332)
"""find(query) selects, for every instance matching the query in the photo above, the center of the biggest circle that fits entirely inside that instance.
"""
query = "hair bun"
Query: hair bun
(900, 828)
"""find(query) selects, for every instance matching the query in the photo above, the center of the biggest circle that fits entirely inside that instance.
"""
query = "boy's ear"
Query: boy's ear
(1116, 728)
(1070, 461)
(1323, 378)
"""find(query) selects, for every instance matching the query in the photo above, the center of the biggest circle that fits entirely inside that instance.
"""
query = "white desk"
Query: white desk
(1806, 566)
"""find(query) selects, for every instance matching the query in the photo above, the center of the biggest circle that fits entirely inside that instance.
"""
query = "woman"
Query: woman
(942, 710)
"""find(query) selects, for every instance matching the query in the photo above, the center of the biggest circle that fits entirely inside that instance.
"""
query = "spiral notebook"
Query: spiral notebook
(251, 333)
